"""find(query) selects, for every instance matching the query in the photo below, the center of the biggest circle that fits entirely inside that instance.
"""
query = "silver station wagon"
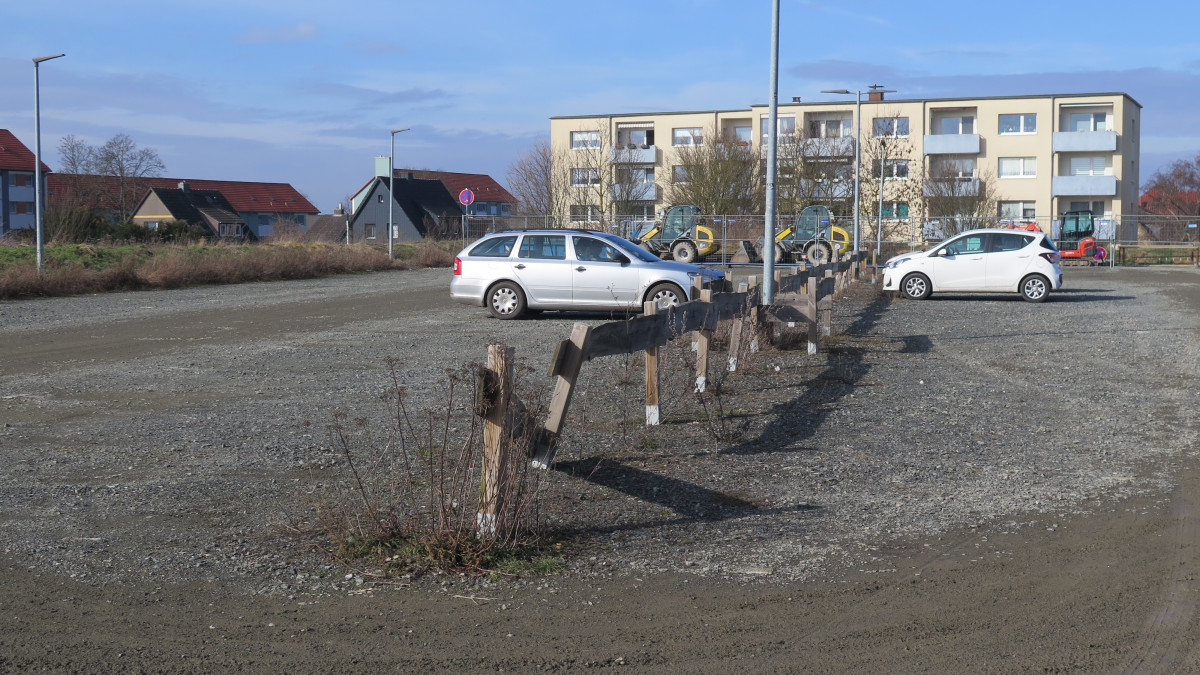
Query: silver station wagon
(520, 272)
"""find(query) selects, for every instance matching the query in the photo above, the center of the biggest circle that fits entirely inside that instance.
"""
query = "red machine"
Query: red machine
(1074, 234)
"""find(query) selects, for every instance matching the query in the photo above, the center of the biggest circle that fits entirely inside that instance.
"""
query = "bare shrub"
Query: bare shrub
(406, 494)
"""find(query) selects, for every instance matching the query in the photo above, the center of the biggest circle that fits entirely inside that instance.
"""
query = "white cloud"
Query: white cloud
(301, 31)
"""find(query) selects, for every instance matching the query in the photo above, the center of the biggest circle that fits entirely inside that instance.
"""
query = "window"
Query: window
(894, 210)
(892, 168)
(152, 225)
(585, 139)
(1018, 210)
(679, 174)
(1088, 165)
(1018, 167)
(581, 177)
(954, 126)
(544, 246)
(590, 249)
(22, 207)
(584, 213)
(969, 244)
(638, 175)
(951, 169)
(1097, 207)
(830, 128)
(369, 231)
(687, 136)
(785, 123)
(639, 135)
(1088, 121)
(742, 134)
(1008, 241)
(22, 180)
(380, 198)
(890, 127)
(641, 212)
(498, 247)
(1025, 123)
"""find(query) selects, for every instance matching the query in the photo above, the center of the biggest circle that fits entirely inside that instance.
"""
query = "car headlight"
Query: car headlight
(892, 264)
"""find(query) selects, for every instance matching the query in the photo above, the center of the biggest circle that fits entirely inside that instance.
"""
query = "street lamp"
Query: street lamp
(37, 161)
(875, 88)
(392, 188)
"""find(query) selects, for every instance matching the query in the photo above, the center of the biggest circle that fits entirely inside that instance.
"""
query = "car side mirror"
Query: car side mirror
(943, 252)
(622, 258)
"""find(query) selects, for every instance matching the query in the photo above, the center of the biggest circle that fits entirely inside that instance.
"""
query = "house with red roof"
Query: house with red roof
(17, 193)
(490, 198)
(263, 207)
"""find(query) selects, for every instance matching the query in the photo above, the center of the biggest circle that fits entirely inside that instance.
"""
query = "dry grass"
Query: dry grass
(175, 266)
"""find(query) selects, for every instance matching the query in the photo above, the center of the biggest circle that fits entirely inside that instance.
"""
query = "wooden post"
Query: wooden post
(735, 335)
(652, 409)
(874, 266)
(810, 309)
(566, 372)
(703, 336)
(494, 487)
(829, 284)
(752, 282)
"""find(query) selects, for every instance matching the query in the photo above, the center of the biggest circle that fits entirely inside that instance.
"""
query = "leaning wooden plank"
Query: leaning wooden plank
(691, 316)
(626, 337)
(560, 402)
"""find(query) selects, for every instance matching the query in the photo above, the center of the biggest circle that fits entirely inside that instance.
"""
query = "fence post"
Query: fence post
(810, 309)
(751, 283)
(828, 288)
(874, 267)
(735, 335)
(703, 336)
(566, 370)
(652, 409)
(494, 485)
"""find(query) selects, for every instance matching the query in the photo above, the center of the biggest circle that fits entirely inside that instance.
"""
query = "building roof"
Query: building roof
(242, 196)
(196, 206)
(486, 189)
(419, 197)
(14, 156)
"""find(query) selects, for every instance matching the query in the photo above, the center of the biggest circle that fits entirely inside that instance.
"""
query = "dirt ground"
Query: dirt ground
(1114, 590)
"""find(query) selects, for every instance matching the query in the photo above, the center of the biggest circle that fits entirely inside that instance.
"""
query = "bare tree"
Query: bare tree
(120, 158)
(958, 198)
(887, 164)
(1174, 191)
(538, 180)
(815, 170)
(719, 175)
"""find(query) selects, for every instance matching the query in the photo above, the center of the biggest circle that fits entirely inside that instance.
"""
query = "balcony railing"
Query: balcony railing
(637, 192)
(1085, 141)
(633, 154)
(952, 144)
(951, 187)
(1091, 186)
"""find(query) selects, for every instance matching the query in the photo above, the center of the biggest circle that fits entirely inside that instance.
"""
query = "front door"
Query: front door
(962, 267)
(599, 279)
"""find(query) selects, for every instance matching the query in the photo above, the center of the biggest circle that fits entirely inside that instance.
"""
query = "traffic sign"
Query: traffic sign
(466, 197)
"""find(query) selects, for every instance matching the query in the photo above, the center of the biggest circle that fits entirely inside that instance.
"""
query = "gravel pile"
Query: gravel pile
(184, 443)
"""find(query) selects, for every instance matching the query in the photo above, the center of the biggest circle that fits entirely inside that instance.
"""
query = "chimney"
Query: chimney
(183, 185)
(795, 99)
(337, 210)
(381, 166)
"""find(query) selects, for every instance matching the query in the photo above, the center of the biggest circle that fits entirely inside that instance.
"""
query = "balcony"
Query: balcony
(827, 147)
(951, 187)
(637, 192)
(952, 144)
(828, 189)
(633, 154)
(1085, 141)
(1081, 186)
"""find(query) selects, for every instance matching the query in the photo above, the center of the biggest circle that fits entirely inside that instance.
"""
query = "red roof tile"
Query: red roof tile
(244, 196)
(14, 156)
(485, 188)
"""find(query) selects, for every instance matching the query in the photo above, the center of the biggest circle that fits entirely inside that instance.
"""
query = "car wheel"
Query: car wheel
(684, 251)
(666, 295)
(818, 253)
(780, 253)
(1035, 288)
(916, 286)
(506, 300)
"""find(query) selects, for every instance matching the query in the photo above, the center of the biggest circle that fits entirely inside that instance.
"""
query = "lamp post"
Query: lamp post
(768, 254)
(875, 88)
(392, 188)
(37, 162)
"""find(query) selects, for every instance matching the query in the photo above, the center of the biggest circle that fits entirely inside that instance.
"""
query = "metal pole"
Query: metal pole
(768, 287)
(882, 163)
(37, 164)
(857, 163)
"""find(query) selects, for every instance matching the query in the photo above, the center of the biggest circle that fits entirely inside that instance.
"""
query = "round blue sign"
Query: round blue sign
(466, 197)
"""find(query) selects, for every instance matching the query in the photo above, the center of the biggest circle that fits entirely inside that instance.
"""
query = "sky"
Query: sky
(305, 91)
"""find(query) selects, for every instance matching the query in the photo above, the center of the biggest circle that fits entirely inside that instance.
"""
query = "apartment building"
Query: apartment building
(1040, 155)
(16, 183)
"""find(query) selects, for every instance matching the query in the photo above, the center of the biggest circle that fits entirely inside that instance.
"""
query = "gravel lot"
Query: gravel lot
(160, 438)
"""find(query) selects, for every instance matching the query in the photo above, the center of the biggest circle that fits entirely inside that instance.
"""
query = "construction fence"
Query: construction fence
(1129, 240)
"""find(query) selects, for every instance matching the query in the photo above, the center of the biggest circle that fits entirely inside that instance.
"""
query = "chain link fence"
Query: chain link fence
(1129, 240)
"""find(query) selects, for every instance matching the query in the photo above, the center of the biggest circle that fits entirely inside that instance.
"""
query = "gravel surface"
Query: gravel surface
(161, 437)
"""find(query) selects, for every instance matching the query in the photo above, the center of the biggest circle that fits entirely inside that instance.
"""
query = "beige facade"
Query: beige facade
(1044, 155)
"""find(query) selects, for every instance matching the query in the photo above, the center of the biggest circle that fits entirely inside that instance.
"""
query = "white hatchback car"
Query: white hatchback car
(512, 273)
(979, 261)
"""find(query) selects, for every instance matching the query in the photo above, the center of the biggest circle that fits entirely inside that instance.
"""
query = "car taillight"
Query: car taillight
(1050, 257)
(457, 267)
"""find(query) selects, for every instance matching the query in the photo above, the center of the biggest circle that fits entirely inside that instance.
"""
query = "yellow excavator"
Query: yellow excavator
(812, 237)
(680, 235)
